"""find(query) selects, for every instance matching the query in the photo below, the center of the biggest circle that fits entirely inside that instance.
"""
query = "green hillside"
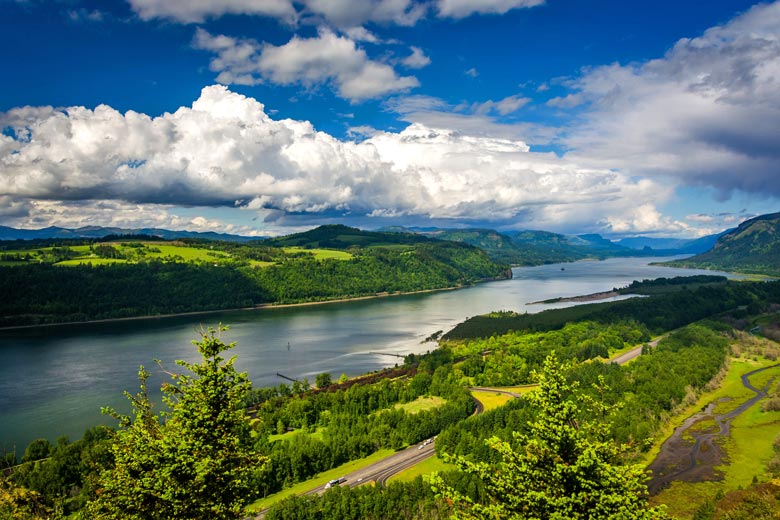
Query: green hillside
(66, 280)
(753, 247)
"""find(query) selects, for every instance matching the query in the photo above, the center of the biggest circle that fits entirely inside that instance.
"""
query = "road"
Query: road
(381, 471)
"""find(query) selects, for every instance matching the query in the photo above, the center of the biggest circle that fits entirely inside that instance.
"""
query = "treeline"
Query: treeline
(336, 427)
(39, 294)
(649, 387)
(324, 428)
(658, 313)
(376, 270)
(510, 359)
(414, 499)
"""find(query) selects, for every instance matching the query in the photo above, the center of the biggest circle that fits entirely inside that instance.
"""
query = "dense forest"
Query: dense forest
(753, 247)
(299, 431)
(676, 304)
(50, 284)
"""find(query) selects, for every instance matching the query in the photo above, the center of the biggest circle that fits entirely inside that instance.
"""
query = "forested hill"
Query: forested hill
(337, 236)
(753, 247)
(77, 281)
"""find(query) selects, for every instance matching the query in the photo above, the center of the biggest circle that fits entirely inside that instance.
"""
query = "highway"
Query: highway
(381, 471)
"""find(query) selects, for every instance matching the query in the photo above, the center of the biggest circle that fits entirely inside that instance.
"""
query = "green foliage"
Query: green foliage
(44, 293)
(658, 313)
(322, 380)
(18, 503)
(193, 460)
(564, 467)
(413, 500)
(61, 474)
(753, 247)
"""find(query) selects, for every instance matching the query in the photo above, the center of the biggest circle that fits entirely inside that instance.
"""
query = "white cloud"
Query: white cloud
(504, 106)
(475, 119)
(644, 218)
(706, 113)
(472, 72)
(568, 101)
(311, 62)
(225, 148)
(464, 8)
(348, 13)
(196, 11)
(417, 59)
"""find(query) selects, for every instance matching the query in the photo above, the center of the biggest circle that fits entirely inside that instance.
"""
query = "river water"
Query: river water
(54, 380)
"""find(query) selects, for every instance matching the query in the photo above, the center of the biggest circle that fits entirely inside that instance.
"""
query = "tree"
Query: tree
(563, 468)
(323, 380)
(193, 460)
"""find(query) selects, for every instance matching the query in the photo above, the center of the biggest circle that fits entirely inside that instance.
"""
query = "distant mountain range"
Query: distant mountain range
(752, 247)
(531, 247)
(9, 233)
(528, 247)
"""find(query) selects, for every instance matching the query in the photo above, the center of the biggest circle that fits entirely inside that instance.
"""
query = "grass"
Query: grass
(320, 254)
(748, 448)
(425, 467)
(491, 400)
(420, 404)
(317, 434)
(322, 478)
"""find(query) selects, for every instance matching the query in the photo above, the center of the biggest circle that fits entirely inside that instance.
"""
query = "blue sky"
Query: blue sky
(271, 116)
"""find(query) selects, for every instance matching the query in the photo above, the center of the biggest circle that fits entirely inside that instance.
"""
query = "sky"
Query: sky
(268, 117)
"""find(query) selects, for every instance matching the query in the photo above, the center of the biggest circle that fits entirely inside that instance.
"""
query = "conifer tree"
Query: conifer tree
(563, 468)
(193, 460)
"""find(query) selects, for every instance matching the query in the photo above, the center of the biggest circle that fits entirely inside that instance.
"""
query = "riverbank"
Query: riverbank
(585, 298)
(260, 306)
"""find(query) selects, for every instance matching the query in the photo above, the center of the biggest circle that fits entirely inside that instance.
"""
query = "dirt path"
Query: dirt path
(695, 461)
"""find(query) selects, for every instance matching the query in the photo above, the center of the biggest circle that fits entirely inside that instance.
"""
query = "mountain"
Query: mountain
(338, 236)
(753, 247)
(9, 233)
(671, 245)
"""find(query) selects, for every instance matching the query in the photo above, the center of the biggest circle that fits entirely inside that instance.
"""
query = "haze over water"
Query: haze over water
(54, 380)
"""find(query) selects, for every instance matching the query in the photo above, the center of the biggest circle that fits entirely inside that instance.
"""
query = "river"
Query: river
(54, 380)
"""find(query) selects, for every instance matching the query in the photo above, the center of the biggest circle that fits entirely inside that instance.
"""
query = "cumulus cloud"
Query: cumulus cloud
(226, 151)
(339, 13)
(417, 59)
(475, 119)
(196, 11)
(325, 59)
(464, 8)
(348, 13)
(705, 113)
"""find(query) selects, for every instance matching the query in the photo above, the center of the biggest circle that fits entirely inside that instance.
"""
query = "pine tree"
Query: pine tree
(564, 468)
(193, 460)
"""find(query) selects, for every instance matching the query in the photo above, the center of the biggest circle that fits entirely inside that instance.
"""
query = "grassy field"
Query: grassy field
(420, 404)
(319, 480)
(748, 448)
(491, 400)
(317, 434)
(320, 254)
(425, 467)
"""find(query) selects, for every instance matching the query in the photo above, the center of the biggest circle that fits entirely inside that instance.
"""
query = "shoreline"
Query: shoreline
(259, 306)
(580, 299)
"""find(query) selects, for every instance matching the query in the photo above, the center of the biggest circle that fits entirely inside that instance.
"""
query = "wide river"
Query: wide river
(54, 380)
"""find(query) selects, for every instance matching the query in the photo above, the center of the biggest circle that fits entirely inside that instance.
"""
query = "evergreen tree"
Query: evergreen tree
(193, 460)
(564, 468)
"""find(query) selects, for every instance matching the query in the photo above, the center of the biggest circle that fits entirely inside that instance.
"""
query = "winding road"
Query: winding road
(380, 472)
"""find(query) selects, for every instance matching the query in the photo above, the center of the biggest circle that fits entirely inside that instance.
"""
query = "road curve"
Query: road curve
(381, 471)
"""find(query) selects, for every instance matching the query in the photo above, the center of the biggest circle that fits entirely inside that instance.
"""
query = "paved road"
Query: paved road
(634, 352)
(381, 471)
